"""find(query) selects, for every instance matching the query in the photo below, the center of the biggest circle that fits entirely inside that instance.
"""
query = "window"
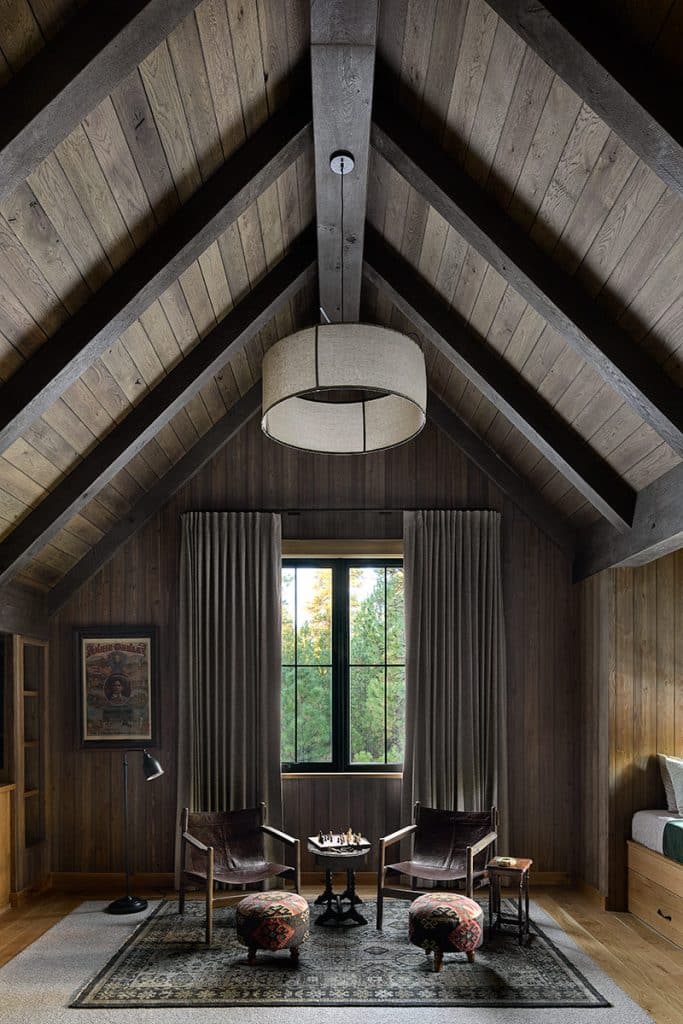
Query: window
(343, 664)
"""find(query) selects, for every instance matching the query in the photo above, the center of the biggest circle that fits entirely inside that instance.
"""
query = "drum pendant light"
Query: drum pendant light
(386, 368)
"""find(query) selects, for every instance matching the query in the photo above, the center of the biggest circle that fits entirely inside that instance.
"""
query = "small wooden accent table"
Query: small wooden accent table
(339, 860)
(518, 868)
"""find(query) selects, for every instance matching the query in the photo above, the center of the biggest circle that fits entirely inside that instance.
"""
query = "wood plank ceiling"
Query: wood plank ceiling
(502, 116)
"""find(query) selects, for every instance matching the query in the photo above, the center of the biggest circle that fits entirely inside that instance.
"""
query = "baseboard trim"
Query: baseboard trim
(594, 895)
(110, 881)
(20, 897)
(550, 878)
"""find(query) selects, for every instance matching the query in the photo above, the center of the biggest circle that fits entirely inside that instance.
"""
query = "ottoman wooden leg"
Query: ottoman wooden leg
(251, 957)
(294, 953)
(438, 960)
(470, 957)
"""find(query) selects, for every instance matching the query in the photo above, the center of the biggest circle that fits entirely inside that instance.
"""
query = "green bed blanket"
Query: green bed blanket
(673, 840)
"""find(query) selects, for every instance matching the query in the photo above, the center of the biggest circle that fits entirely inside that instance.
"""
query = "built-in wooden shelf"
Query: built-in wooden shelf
(29, 746)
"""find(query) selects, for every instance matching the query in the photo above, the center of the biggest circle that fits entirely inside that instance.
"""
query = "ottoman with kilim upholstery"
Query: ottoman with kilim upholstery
(272, 920)
(445, 922)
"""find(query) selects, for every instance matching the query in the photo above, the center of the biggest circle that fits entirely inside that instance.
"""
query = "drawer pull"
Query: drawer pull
(667, 917)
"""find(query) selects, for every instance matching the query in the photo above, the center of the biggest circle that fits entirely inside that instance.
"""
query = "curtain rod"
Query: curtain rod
(358, 508)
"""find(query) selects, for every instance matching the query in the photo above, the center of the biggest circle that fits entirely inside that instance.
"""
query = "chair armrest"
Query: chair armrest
(276, 834)
(196, 843)
(394, 837)
(483, 843)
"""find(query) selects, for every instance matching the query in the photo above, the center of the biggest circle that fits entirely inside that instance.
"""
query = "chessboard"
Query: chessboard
(333, 842)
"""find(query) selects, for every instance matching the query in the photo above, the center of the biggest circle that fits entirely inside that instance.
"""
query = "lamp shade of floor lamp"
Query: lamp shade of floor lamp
(151, 769)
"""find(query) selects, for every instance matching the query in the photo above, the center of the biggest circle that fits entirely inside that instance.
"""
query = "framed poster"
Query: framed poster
(116, 668)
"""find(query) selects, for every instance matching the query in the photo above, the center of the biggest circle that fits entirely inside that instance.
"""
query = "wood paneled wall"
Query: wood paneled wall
(631, 629)
(139, 586)
(23, 610)
(369, 805)
(596, 659)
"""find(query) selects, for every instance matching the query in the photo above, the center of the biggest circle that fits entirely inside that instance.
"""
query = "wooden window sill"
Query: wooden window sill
(342, 775)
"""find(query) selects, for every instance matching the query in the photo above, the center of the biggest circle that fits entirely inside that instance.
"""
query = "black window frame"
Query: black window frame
(341, 726)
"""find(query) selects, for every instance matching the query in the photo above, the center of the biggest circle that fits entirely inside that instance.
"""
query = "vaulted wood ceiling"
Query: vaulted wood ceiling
(530, 241)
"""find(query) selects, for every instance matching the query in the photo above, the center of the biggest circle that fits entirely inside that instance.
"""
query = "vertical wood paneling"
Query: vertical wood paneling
(139, 585)
(631, 686)
(370, 806)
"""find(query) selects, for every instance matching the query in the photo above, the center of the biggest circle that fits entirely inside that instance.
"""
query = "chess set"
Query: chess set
(333, 842)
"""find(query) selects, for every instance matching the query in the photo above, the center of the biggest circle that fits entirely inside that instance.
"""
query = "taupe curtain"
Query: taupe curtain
(456, 749)
(229, 665)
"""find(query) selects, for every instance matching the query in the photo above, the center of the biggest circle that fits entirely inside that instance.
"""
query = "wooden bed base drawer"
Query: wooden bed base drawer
(656, 906)
(652, 865)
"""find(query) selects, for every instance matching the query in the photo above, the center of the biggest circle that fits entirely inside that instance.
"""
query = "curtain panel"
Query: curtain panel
(229, 662)
(456, 715)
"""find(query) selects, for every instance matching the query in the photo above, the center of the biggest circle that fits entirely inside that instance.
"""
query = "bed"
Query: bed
(660, 831)
(655, 872)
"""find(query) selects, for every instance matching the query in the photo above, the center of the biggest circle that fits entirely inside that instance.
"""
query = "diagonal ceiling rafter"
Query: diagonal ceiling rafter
(231, 190)
(501, 473)
(539, 423)
(626, 367)
(657, 530)
(202, 452)
(645, 124)
(170, 395)
(228, 427)
(45, 101)
(74, 72)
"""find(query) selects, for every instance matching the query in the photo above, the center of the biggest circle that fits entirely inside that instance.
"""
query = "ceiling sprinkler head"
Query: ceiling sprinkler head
(341, 162)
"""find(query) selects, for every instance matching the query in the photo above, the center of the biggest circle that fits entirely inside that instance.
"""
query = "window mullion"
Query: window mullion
(341, 665)
(340, 658)
(386, 751)
(296, 667)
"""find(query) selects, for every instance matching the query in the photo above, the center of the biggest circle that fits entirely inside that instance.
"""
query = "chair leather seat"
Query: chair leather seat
(243, 876)
(418, 869)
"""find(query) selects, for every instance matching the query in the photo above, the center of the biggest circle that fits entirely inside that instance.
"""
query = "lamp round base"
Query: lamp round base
(127, 905)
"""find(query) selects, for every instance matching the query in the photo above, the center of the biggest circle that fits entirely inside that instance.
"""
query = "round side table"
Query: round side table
(339, 860)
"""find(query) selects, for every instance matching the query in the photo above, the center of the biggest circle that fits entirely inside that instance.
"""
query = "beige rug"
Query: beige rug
(39, 984)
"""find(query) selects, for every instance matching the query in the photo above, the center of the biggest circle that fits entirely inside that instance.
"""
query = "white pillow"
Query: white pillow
(671, 769)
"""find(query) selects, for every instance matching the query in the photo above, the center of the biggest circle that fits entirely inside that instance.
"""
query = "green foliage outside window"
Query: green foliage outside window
(372, 674)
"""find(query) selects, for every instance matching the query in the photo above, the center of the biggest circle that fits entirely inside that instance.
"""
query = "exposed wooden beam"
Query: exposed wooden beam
(575, 52)
(343, 35)
(119, 302)
(76, 70)
(158, 407)
(558, 298)
(180, 474)
(23, 609)
(657, 530)
(519, 402)
(503, 476)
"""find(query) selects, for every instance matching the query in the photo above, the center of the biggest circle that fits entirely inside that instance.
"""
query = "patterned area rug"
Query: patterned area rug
(165, 963)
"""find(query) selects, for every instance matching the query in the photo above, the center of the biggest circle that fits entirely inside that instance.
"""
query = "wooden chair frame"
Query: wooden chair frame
(412, 893)
(212, 900)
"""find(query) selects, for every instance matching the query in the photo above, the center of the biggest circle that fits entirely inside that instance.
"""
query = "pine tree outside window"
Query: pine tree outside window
(343, 665)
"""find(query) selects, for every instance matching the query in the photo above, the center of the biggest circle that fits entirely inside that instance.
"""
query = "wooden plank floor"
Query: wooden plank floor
(647, 967)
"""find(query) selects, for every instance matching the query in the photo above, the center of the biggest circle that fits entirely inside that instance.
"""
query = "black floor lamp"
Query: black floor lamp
(151, 768)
